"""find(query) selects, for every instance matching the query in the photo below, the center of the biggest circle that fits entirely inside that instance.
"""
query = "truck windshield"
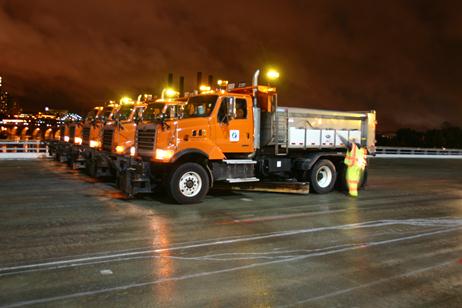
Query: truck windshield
(153, 112)
(104, 116)
(91, 116)
(124, 112)
(199, 106)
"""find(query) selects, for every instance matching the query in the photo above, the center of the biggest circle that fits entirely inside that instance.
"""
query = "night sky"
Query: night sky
(401, 58)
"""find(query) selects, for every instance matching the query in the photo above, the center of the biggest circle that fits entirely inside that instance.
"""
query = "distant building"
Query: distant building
(8, 107)
(3, 102)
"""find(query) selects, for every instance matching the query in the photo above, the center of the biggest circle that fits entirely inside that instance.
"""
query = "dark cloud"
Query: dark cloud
(401, 58)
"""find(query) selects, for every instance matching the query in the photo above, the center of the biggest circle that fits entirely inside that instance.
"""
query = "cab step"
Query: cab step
(239, 161)
(242, 180)
(300, 188)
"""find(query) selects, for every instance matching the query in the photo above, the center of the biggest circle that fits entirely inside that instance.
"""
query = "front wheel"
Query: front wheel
(91, 167)
(189, 183)
(323, 176)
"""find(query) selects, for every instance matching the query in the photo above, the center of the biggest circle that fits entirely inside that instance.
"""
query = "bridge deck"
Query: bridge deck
(67, 239)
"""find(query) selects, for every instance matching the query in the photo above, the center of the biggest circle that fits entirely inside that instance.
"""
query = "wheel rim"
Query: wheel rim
(190, 184)
(324, 176)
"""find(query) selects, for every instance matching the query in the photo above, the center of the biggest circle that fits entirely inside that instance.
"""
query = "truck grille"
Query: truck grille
(61, 133)
(71, 134)
(146, 140)
(107, 139)
(86, 135)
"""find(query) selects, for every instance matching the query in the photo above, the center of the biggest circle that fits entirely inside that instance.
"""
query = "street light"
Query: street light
(125, 100)
(272, 74)
(169, 93)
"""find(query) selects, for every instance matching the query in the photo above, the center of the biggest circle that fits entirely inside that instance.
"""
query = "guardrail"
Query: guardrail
(39, 149)
(23, 149)
(395, 152)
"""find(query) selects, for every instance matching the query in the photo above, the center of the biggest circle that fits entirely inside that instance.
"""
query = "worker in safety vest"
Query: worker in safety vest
(355, 160)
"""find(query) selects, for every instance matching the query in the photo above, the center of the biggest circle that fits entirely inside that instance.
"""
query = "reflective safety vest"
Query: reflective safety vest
(356, 157)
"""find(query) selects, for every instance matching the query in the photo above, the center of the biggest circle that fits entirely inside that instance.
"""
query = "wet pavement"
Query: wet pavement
(68, 240)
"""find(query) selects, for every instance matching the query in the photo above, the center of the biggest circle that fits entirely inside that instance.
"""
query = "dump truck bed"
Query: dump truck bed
(303, 128)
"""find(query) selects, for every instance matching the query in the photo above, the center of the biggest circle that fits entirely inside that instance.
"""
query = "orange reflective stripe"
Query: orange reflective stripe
(353, 151)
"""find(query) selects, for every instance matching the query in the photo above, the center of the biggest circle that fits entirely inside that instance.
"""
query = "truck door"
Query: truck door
(234, 135)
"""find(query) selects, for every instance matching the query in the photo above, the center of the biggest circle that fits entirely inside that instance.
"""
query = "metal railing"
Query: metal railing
(23, 149)
(397, 152)
(39, 149)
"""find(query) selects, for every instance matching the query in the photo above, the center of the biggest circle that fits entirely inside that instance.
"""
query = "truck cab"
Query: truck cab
(94, 123)
(96, 161)
(63, 151)
(158, 119)
(118, 137)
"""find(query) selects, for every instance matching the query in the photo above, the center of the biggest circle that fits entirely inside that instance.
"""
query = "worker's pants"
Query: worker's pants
(353, 176)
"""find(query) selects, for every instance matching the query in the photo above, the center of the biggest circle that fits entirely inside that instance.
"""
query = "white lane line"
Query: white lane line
(232, 269)
(368, 224)
(214, 257)
(367, 285)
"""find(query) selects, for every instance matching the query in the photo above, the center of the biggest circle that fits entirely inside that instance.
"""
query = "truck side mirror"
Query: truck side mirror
(231, 107)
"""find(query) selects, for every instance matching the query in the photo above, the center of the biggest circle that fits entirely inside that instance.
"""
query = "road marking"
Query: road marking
(106, 272)
(227, 270)
(369, 224)
(278, 217)
(366, 285)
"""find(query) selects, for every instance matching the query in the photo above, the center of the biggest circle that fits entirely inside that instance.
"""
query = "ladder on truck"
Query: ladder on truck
(281, 142)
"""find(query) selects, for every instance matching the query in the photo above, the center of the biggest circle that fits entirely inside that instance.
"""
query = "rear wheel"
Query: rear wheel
(189, 183)
(323, 176)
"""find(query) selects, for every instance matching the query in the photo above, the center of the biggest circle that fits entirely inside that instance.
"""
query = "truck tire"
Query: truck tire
(91, 168)
(189, 183)
(323, 176)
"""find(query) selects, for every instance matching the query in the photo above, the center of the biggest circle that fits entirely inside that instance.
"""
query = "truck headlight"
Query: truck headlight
(120, 149)
(94, 144)
(164, 154)
(78, 140)
(66, 138)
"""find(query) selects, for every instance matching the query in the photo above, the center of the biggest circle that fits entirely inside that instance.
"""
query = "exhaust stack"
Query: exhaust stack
(170, 80)
(181, 86)
(256, 111)
(199, 80)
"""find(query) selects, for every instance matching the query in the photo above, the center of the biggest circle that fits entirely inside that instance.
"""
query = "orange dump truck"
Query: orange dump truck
(95, 159)
(64, 148)
(78, 132)
(242, 137)
(160, 112)
(118, 137)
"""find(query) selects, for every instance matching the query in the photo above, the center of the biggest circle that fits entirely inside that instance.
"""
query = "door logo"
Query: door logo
(234, 135)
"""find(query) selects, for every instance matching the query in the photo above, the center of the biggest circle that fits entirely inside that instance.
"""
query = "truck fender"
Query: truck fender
(183, 153)
(306, 163)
